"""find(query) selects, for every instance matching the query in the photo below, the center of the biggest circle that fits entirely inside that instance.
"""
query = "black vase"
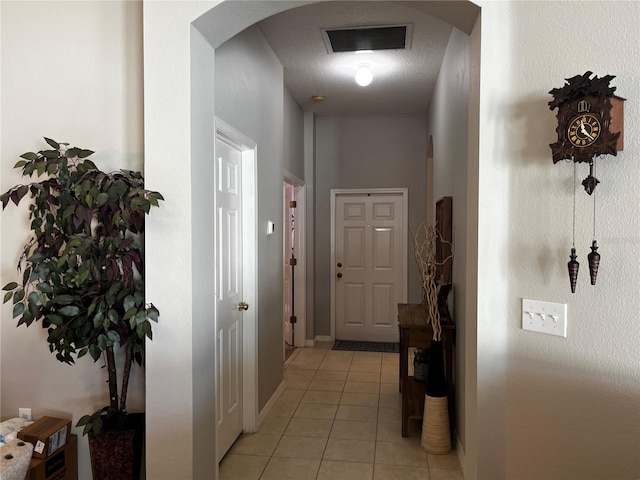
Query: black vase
(436, 385)
(421, 365)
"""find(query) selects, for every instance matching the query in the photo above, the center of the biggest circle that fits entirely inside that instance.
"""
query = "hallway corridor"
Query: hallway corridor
(338, 419)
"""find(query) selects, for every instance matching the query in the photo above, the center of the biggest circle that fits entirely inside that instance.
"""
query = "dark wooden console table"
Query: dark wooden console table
(416, 331)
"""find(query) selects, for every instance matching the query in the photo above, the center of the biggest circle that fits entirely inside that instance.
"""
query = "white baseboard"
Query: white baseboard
(319, 338)
(460, 452)
(267, 408)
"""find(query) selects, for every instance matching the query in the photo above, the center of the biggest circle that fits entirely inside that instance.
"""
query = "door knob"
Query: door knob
(243, 306)
(339, 275)
(339, 264)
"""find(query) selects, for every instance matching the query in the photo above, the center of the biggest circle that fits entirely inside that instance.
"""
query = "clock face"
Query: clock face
(584, 130)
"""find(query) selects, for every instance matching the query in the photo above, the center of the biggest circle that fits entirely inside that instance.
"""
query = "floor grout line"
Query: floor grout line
(311, 363)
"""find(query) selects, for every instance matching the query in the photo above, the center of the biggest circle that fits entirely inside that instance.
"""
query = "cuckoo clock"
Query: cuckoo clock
(590, 125)
(589, 122)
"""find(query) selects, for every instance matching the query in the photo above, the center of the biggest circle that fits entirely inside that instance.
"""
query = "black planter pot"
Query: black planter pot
(421, 365)
(436, 384)
(117, 455)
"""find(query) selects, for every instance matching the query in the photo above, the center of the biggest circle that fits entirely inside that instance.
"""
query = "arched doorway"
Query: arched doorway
(180, 42)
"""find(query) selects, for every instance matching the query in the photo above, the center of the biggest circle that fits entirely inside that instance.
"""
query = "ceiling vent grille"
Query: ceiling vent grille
(396, 37)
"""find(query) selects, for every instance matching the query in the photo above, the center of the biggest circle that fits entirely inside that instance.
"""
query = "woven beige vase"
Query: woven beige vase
(436, 436)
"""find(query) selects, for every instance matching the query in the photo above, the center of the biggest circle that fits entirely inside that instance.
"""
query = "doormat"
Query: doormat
(352, 345)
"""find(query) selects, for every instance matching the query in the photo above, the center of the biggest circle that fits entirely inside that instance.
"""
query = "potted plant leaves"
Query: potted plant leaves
(82, 274)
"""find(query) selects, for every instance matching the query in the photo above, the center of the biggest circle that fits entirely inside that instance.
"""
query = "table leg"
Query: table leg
(405, 419)
(404, 377)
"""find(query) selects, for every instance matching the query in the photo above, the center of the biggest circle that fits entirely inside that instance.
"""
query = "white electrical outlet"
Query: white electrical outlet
(544, 317)
(25, 413)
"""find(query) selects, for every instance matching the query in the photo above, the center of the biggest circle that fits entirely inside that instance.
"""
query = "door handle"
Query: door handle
(243, 306)
(339, 264)
(339, 275)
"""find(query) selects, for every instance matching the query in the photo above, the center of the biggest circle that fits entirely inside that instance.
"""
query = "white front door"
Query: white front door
(229, 295)
(369, 264)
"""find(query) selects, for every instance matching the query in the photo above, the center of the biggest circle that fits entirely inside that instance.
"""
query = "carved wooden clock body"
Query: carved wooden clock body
(584, 119)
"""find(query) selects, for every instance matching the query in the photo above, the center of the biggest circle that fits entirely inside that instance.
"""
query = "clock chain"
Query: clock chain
(594, 256)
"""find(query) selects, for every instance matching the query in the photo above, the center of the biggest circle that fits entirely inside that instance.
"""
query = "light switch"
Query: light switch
(271, 227)
(544, 317)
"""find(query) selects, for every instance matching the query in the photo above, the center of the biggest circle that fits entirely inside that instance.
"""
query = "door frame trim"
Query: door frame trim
(249, 273)
(300, 188)
(335, 192)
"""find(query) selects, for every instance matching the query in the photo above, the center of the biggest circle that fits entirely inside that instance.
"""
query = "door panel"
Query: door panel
(383, 211)
(384, 305)
(354, 304)
(354, 211)
(229, 294)
(383, 249)
(354, 248)
(369, 266)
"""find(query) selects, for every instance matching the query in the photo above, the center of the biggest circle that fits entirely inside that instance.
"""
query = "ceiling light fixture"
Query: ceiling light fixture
(364, 76)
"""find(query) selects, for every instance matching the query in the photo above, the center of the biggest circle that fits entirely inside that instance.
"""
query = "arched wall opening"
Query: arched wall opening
(431, 217)
(180, 106)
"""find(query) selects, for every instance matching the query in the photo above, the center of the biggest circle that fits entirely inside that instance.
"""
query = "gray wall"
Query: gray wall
(293, 137)
(365, 152)
(249, 90)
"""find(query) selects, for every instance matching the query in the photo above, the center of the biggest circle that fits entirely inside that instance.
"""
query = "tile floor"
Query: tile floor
(339, 418)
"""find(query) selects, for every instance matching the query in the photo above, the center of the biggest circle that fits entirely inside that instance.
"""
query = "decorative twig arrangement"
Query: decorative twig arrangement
(425, 252)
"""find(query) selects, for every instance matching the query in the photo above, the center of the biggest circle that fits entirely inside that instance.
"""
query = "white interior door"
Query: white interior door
(294, 277)
(369, 265)
(229, 293)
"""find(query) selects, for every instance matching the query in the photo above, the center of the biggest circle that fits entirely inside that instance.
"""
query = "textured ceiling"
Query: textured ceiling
(403, 79)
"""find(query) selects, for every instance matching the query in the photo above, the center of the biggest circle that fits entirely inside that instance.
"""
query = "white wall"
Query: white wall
(203, 350)
(71, 71)
(550, 407)
(365, 152)
(447, 125)
(175, 361)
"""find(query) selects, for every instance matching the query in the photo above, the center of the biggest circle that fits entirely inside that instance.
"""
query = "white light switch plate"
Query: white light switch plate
(544, 317)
